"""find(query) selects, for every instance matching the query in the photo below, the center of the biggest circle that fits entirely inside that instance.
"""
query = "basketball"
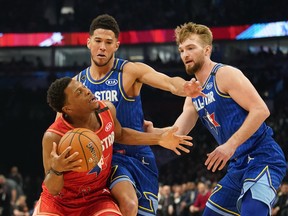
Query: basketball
(84, 141)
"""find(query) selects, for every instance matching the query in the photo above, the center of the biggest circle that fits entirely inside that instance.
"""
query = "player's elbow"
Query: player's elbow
(53, 189)
(264, 112)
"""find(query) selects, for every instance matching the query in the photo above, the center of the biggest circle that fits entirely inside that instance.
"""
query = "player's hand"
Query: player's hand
(64, 162)
(193, 88)
(172, 141)
(218, 158)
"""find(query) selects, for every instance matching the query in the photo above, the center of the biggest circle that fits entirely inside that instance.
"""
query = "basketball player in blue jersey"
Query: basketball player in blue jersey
(234, 113)
(134, 176)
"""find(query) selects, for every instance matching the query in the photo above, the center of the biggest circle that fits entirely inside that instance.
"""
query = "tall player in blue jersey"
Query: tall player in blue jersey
(234, 113)
(134, 176)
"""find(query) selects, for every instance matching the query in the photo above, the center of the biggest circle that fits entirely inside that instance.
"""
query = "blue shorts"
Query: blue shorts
(261, 171)
(141, 170)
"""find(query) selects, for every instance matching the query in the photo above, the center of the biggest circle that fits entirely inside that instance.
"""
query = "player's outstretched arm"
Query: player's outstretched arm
(176, 85)
(172, 141)
(167, 138)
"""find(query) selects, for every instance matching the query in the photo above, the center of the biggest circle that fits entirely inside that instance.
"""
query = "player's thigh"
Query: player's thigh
(46, 207)
(223, 199)
(105, 205)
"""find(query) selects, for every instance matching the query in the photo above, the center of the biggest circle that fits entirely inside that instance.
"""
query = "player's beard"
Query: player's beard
(191, 70)
(103, 64)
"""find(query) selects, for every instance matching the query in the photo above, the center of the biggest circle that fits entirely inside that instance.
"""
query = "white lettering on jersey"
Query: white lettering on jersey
(107, 141)
(201, 102)
(110, 95)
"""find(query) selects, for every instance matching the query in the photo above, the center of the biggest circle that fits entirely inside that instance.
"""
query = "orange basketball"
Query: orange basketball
(84, 141)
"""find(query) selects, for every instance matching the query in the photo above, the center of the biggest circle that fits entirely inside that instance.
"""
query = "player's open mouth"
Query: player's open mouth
(93, 100)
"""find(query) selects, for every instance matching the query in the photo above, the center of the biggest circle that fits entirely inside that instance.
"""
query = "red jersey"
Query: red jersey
(83, 189)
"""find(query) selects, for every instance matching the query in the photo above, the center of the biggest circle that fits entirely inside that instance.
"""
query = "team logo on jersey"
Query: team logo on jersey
(102, 165)
(210, 119)
(108, 126)
(202, 102)
(209, 85)
(83, 78)
(111, 82)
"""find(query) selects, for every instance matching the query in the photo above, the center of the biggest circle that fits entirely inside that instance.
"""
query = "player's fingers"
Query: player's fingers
(216, 164)
(202, 94)
(182, 148)
(54, 147)
(75, 168)
(72, 156)
(187, 143)
(193, 80)
(209, 157)
(210, 161)
(222, 165)
(177, 152)
(75, 163)
(183, 137)
(186, 137)
(65, 152)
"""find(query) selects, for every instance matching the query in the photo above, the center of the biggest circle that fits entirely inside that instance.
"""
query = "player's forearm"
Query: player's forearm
(251, 124)
(132, 137)
(158, 130)
(54, 182)
(177, 86)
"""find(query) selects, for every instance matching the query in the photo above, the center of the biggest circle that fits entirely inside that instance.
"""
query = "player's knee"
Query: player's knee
(129, 207)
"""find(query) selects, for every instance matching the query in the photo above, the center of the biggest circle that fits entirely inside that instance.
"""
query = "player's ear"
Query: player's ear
(88, 42)
(66, 109)
(117, 45)
(208, 50)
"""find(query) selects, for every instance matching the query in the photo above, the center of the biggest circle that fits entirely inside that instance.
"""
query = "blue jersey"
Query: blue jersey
(257, 165)
(222, 116)
(132, 163)
(129, 109)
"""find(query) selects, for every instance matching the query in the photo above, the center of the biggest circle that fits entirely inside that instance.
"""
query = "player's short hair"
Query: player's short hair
(184, 31)
(55, 95)
(104, 21)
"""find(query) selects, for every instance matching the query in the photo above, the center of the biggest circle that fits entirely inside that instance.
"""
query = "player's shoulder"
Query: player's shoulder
(228, 70)
(52, 136)
(134, 66)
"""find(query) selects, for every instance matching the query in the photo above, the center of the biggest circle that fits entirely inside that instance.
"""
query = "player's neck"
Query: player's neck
(97, 72)
(90, 121)
(205, 71)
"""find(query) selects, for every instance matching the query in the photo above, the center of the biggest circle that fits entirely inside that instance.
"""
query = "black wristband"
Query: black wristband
(55, 172)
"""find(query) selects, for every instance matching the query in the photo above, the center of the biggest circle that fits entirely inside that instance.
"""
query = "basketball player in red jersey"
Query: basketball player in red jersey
(66, 191)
